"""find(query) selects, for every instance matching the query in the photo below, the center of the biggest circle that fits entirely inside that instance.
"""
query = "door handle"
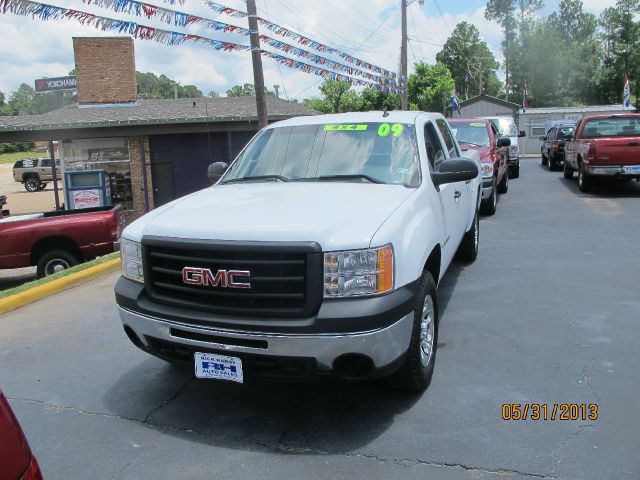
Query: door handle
(457, 194)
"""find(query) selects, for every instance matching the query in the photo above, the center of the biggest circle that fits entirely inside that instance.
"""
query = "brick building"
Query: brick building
(153, 150)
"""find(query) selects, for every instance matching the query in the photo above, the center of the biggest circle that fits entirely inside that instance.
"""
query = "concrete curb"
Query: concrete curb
(55, 286)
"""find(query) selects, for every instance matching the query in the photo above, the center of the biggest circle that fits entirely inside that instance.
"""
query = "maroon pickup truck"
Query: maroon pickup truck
(604, 146)
(54, 241)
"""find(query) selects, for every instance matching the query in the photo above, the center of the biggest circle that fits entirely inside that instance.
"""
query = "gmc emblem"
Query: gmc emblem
(222, 278)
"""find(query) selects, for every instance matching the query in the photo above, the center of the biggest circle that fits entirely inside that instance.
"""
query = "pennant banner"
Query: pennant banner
(180, 19)
(305, 41)
(47, 12)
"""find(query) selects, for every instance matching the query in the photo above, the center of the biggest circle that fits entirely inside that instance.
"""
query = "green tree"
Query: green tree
(377, 100)
(246, 90)
(470, 62)
(213, 94)
(337, 97)
(430, 86)
(152, 86)
(512, 15)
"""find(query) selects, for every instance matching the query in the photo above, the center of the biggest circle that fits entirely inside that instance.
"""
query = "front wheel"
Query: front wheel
(42, 186)
(503, 186)
(568, 171)
(55, 261)
(415, 373)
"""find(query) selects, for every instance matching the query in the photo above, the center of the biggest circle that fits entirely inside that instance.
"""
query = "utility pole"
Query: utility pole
(403, 55)
(256, 57)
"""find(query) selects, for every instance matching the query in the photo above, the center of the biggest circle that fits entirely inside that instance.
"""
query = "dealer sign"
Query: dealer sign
(59, 83)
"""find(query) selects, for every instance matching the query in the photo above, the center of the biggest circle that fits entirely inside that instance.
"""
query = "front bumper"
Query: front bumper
(376, 332)
(615, 170)
(487, 187)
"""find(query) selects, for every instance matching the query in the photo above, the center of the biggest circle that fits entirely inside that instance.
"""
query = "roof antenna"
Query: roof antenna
(385, 113)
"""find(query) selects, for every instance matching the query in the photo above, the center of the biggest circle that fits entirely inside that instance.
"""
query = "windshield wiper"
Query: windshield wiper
(257, 177)
(350, 177)
(469, 143)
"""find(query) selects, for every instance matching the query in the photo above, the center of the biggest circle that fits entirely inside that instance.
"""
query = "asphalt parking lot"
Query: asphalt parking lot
(549, 313)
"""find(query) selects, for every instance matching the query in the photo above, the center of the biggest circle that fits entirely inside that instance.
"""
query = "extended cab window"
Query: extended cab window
(379, 152)
(435, 151)
(565, 133)
(611, 127)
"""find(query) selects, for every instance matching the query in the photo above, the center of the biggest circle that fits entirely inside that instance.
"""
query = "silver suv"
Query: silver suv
(33, 173)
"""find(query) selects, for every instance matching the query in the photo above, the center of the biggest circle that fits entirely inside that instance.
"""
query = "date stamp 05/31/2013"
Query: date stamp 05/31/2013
(549, 411)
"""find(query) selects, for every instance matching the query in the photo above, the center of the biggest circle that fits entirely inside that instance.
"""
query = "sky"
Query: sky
(367, 29)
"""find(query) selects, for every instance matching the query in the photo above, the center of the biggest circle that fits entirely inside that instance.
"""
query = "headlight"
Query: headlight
(358, 272)
(487, 170)
(131, 260)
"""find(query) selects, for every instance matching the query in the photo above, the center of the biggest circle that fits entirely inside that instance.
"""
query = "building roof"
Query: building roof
(490, 99)
(584, 109)
(154, 112)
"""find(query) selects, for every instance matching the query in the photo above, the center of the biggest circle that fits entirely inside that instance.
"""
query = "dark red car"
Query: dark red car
(16, 460)
(54, 241)
(481, 135)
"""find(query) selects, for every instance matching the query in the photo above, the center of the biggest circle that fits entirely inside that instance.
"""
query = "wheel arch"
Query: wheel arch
(434, 263)
(54, 243)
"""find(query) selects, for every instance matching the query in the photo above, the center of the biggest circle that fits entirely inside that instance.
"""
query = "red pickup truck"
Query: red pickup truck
(54, 241)
(482, 136)
(604, 146)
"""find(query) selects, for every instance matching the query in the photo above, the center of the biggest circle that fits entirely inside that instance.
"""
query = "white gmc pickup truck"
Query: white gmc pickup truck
(317, 252)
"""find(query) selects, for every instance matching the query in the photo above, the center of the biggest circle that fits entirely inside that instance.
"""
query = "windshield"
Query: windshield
(374, 152)
(472, 133)
(612, 127)
(505, 126)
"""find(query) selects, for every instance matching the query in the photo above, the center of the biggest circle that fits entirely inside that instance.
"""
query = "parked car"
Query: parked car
(482, 135)
(54, 241)
(604, 146)
(507, 128)
(318, 252)
(34, 173)
(552, 149)
(16, 460)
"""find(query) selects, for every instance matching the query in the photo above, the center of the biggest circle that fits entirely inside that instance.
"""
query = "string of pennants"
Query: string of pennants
(180, 19)
(301, 39)
(48, 12)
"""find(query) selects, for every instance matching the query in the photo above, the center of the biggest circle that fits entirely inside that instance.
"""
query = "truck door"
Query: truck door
(453, 198)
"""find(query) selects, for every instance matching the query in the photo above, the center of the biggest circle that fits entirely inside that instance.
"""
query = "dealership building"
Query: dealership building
(152, 150)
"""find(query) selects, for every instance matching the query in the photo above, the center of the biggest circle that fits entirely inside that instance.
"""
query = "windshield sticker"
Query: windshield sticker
(385, 129)
(477, 125)
(345, 127)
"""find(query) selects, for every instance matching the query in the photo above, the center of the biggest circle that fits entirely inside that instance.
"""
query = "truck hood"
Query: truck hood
(337, 215)
(484, 153)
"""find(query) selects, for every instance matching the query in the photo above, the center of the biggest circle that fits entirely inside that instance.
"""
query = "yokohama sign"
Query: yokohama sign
(59, 83)
(222, 278)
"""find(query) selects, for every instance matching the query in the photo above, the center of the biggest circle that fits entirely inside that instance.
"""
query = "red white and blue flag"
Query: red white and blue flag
(626, 92)
(525, 96)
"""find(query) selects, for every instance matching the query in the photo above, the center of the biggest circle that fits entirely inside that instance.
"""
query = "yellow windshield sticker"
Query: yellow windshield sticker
(345, 127)
(477, 125)
(385, 129)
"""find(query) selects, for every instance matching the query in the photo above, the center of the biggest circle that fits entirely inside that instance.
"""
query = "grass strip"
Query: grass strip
(64, 273)
(15, 156)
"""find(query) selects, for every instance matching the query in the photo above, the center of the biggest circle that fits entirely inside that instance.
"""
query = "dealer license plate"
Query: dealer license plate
(631, 169)
(221, 367)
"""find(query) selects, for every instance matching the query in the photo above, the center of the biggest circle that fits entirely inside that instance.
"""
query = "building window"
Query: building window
(108, 154)
(537, 130)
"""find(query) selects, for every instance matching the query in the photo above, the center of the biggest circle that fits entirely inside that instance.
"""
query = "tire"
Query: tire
(584, 180)
(32, 184)
(503, 186)
(567, 171)
(552, 164)
(42, 186)
(515, 171)
(488, 206)
(415, 373)
(468, 249)
(55, 261)
(544, 159)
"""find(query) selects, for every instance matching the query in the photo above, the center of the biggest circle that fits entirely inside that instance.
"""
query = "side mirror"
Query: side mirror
(542, 138)
(522, 133)
(504, 142)
(216, 170)
(455, 170)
